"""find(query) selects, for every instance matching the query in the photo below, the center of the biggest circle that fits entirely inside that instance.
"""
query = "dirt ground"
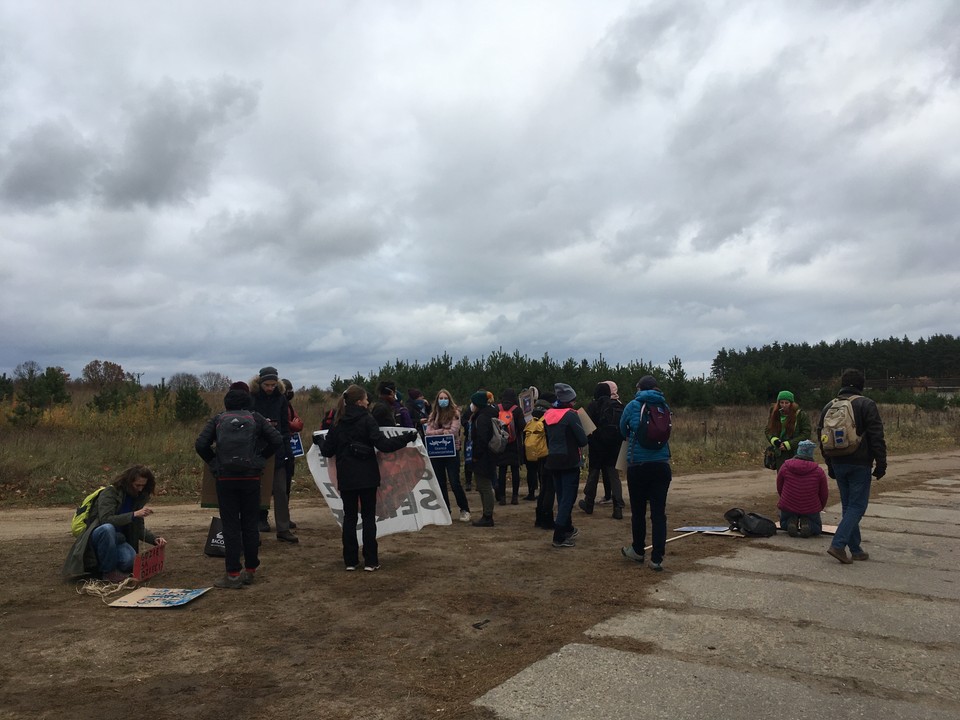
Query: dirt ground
(453, 612)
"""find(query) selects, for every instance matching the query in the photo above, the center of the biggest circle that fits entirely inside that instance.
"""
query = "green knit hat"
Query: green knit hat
(785, 395)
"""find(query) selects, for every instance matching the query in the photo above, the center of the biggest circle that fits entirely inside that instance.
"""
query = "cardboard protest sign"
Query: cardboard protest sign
(149, 563)
(208, 487)
(588, 424)
(158, 597)
(296, 445)
(408, 497)
(440, 446)
(525, 400)
(622, 457)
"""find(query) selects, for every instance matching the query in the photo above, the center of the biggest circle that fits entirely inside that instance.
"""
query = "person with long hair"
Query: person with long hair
(353, 441)
(444, 419)
(787, 426)
(111, 541)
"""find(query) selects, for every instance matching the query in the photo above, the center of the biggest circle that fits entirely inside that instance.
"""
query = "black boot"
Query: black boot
(483, 521)
(618, 513)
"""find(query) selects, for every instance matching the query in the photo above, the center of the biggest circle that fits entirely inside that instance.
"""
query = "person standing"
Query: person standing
(852, 471)
(605, 411)
(565, 438)
(510, 457)
(802, 487)
(269, 401)
(388, 411)
(548, 494)
(296, 425)
(353, 440)
(648, 476)
(238, 487)
(484, 460)
(444, 419)
(786, 427)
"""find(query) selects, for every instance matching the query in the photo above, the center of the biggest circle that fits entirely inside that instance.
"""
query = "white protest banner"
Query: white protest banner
(408, 497)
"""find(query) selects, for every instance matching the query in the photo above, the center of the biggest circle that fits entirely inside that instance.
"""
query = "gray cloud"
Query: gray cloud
(49, 163)
(173, 139)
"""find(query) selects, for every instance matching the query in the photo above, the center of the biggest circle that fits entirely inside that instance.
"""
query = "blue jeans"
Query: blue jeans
(816, 524)
(648, 483)
(853, 482)
(112, 549)
(567, 483)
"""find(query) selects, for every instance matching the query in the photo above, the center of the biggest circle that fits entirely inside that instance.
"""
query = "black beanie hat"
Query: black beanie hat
(237, 400)
(601, 390)
(269, 373)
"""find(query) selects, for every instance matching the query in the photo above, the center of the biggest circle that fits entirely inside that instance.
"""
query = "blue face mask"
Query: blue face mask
(443, 402)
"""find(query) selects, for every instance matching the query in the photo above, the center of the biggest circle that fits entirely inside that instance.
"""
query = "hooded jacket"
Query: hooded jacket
(630, 421)
(802, 486)
(565, 437)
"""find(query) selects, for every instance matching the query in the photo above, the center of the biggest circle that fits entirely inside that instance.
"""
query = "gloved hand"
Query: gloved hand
(830, 472)
(410, 436)
(879, 472)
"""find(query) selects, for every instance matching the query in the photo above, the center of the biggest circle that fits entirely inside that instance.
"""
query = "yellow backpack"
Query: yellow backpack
(82, 516)
(535, 440)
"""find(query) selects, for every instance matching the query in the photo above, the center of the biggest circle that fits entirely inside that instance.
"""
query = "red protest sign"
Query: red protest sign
(148, 563)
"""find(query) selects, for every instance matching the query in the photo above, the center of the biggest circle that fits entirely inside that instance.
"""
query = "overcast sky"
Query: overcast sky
(329, 186)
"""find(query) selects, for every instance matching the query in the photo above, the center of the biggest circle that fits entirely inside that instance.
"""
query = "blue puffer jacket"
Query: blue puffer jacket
(629, 421)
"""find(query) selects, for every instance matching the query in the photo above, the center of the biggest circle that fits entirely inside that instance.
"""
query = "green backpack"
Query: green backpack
(82, 516)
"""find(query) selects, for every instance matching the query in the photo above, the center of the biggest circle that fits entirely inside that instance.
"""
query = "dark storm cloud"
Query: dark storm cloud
(173, 138)
(49, 163)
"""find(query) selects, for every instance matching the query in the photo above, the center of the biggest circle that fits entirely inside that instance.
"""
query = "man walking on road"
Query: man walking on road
(851, 470)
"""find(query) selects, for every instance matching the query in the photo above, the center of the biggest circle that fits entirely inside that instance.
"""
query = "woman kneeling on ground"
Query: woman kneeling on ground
(112, 539)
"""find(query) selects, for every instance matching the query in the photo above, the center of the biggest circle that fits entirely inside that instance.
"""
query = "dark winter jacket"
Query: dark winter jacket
(605, 441)
(274, 408)
(565, 437)
(270, 442)
(873, 447)
(353, 441)
(481, 430)
(81, 560)
(802, 486)
(391, 413)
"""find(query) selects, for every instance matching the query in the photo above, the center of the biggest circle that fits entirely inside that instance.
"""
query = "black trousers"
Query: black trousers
(239, 502)
(367, 501)
(648, 484)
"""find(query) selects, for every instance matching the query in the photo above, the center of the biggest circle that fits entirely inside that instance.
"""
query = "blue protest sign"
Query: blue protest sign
(440, 446)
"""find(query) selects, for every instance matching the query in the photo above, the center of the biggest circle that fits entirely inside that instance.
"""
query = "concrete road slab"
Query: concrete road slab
(937, 515)
(585, 682)
(799, 647)
(873, 612)
(875, 574)
(917, 550)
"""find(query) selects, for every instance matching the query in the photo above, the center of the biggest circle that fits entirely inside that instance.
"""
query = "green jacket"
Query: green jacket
(790, 428)
(81, 560)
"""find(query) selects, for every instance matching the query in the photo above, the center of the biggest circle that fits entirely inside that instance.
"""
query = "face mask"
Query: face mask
(443, 402)
(288, 395)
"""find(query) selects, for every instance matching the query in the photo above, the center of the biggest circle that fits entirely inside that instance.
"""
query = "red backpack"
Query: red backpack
(506, 417)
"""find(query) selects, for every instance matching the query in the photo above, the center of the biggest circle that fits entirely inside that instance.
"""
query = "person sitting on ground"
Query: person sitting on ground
(802, 487)
(238, 488)
(111, 541)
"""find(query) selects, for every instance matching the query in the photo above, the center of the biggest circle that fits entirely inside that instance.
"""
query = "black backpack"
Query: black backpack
(750, 523)
(609, 425)
(237, 434)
